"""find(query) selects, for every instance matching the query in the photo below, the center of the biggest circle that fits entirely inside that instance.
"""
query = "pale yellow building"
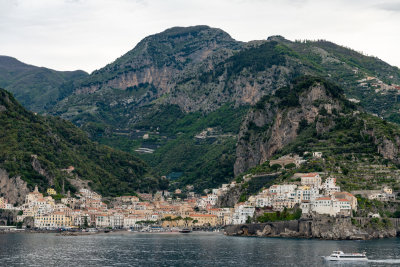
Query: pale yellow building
(205, 219)
(51, 191)
(3, 203)
(53, 220)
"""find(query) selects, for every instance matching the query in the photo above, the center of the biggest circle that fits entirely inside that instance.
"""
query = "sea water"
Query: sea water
(176, 249)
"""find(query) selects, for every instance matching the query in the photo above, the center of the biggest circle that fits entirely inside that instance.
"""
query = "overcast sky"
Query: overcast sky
(88, 34)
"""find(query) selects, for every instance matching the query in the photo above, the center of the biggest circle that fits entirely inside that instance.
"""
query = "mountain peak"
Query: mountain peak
(11, 62)
(194, 31)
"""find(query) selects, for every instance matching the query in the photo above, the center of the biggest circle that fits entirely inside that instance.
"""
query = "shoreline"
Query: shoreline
(324, 227)
(102, 232)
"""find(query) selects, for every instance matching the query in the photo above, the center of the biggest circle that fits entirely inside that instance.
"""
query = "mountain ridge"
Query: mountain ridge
(195, 74)
(37, 88)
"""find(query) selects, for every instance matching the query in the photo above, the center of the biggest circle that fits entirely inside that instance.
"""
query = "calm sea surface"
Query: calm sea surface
(195, 249)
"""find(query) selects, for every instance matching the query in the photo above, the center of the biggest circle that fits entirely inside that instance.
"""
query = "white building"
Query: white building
(264, 201)
(212, 199)
(116, 220)
(102, 220)
(282, 189)
(242, 213)
(327, 205)
(306, 193)
(317, 155)
(330, 186)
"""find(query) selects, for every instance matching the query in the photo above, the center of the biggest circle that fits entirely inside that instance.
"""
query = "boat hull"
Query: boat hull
(329, 258)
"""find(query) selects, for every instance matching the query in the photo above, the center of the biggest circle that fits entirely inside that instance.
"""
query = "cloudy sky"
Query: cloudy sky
(87, 34)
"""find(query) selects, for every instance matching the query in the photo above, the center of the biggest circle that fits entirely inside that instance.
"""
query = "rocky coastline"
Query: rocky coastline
(327, 228)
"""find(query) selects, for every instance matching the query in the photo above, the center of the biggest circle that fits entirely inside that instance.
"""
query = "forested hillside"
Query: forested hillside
(41, 149)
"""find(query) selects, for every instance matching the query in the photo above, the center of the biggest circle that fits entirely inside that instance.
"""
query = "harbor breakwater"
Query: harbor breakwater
(329, 228)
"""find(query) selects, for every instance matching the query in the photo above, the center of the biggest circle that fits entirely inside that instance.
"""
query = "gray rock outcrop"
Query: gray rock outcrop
(13, 188)
(266, 130)
(322, 227)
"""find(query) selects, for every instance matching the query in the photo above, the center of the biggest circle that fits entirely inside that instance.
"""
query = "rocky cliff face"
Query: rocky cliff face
(14, 189)
(160, 59)
(388, 145)
(322, 228)
(230, 198)
(201, 69)
(272, 125)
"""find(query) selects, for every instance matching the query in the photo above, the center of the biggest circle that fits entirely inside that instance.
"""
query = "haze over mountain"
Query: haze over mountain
(186, 95)
(36, 88)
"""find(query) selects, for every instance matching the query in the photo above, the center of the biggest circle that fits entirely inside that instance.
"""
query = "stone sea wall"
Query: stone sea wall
(328, 228)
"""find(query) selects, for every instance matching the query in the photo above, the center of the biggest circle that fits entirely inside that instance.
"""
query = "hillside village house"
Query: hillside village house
(51, 191)
(327, 205)
(242, 213)
(330, 186)
(385, 194)
(346, 195)
(3, 202)
(311, 179)
(317, 155)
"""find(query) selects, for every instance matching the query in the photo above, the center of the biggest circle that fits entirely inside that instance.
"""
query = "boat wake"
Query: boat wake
(387, 261)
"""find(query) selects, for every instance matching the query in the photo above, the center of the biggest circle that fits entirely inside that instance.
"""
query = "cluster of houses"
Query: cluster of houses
(312, 195)
(378, 84)
(385, 194)
(86, 208)
(5, 205)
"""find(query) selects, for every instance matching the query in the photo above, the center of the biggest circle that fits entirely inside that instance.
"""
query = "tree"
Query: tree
(167, 219)
(19, 225)
(85, 222)
(187, 220)
(290, 166)
(248, 219)
(177, 219)
(275, 167)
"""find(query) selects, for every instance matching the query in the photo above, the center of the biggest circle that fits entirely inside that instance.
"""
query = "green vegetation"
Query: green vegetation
(289, 96)
(377, 223)
(204, 163)
(346, 67)
(256, 183)
(51, 144)
(255, 59)
(285, 215)
(38, 89)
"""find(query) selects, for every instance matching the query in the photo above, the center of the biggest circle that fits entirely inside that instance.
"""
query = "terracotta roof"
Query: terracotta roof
(202, 215)
(324, 198)
(309, 175)
(343, 200)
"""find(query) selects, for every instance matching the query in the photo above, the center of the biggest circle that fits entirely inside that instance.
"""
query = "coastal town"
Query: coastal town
(164, 209)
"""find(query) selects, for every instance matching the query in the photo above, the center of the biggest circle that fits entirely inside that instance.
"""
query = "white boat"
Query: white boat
(341, 256)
